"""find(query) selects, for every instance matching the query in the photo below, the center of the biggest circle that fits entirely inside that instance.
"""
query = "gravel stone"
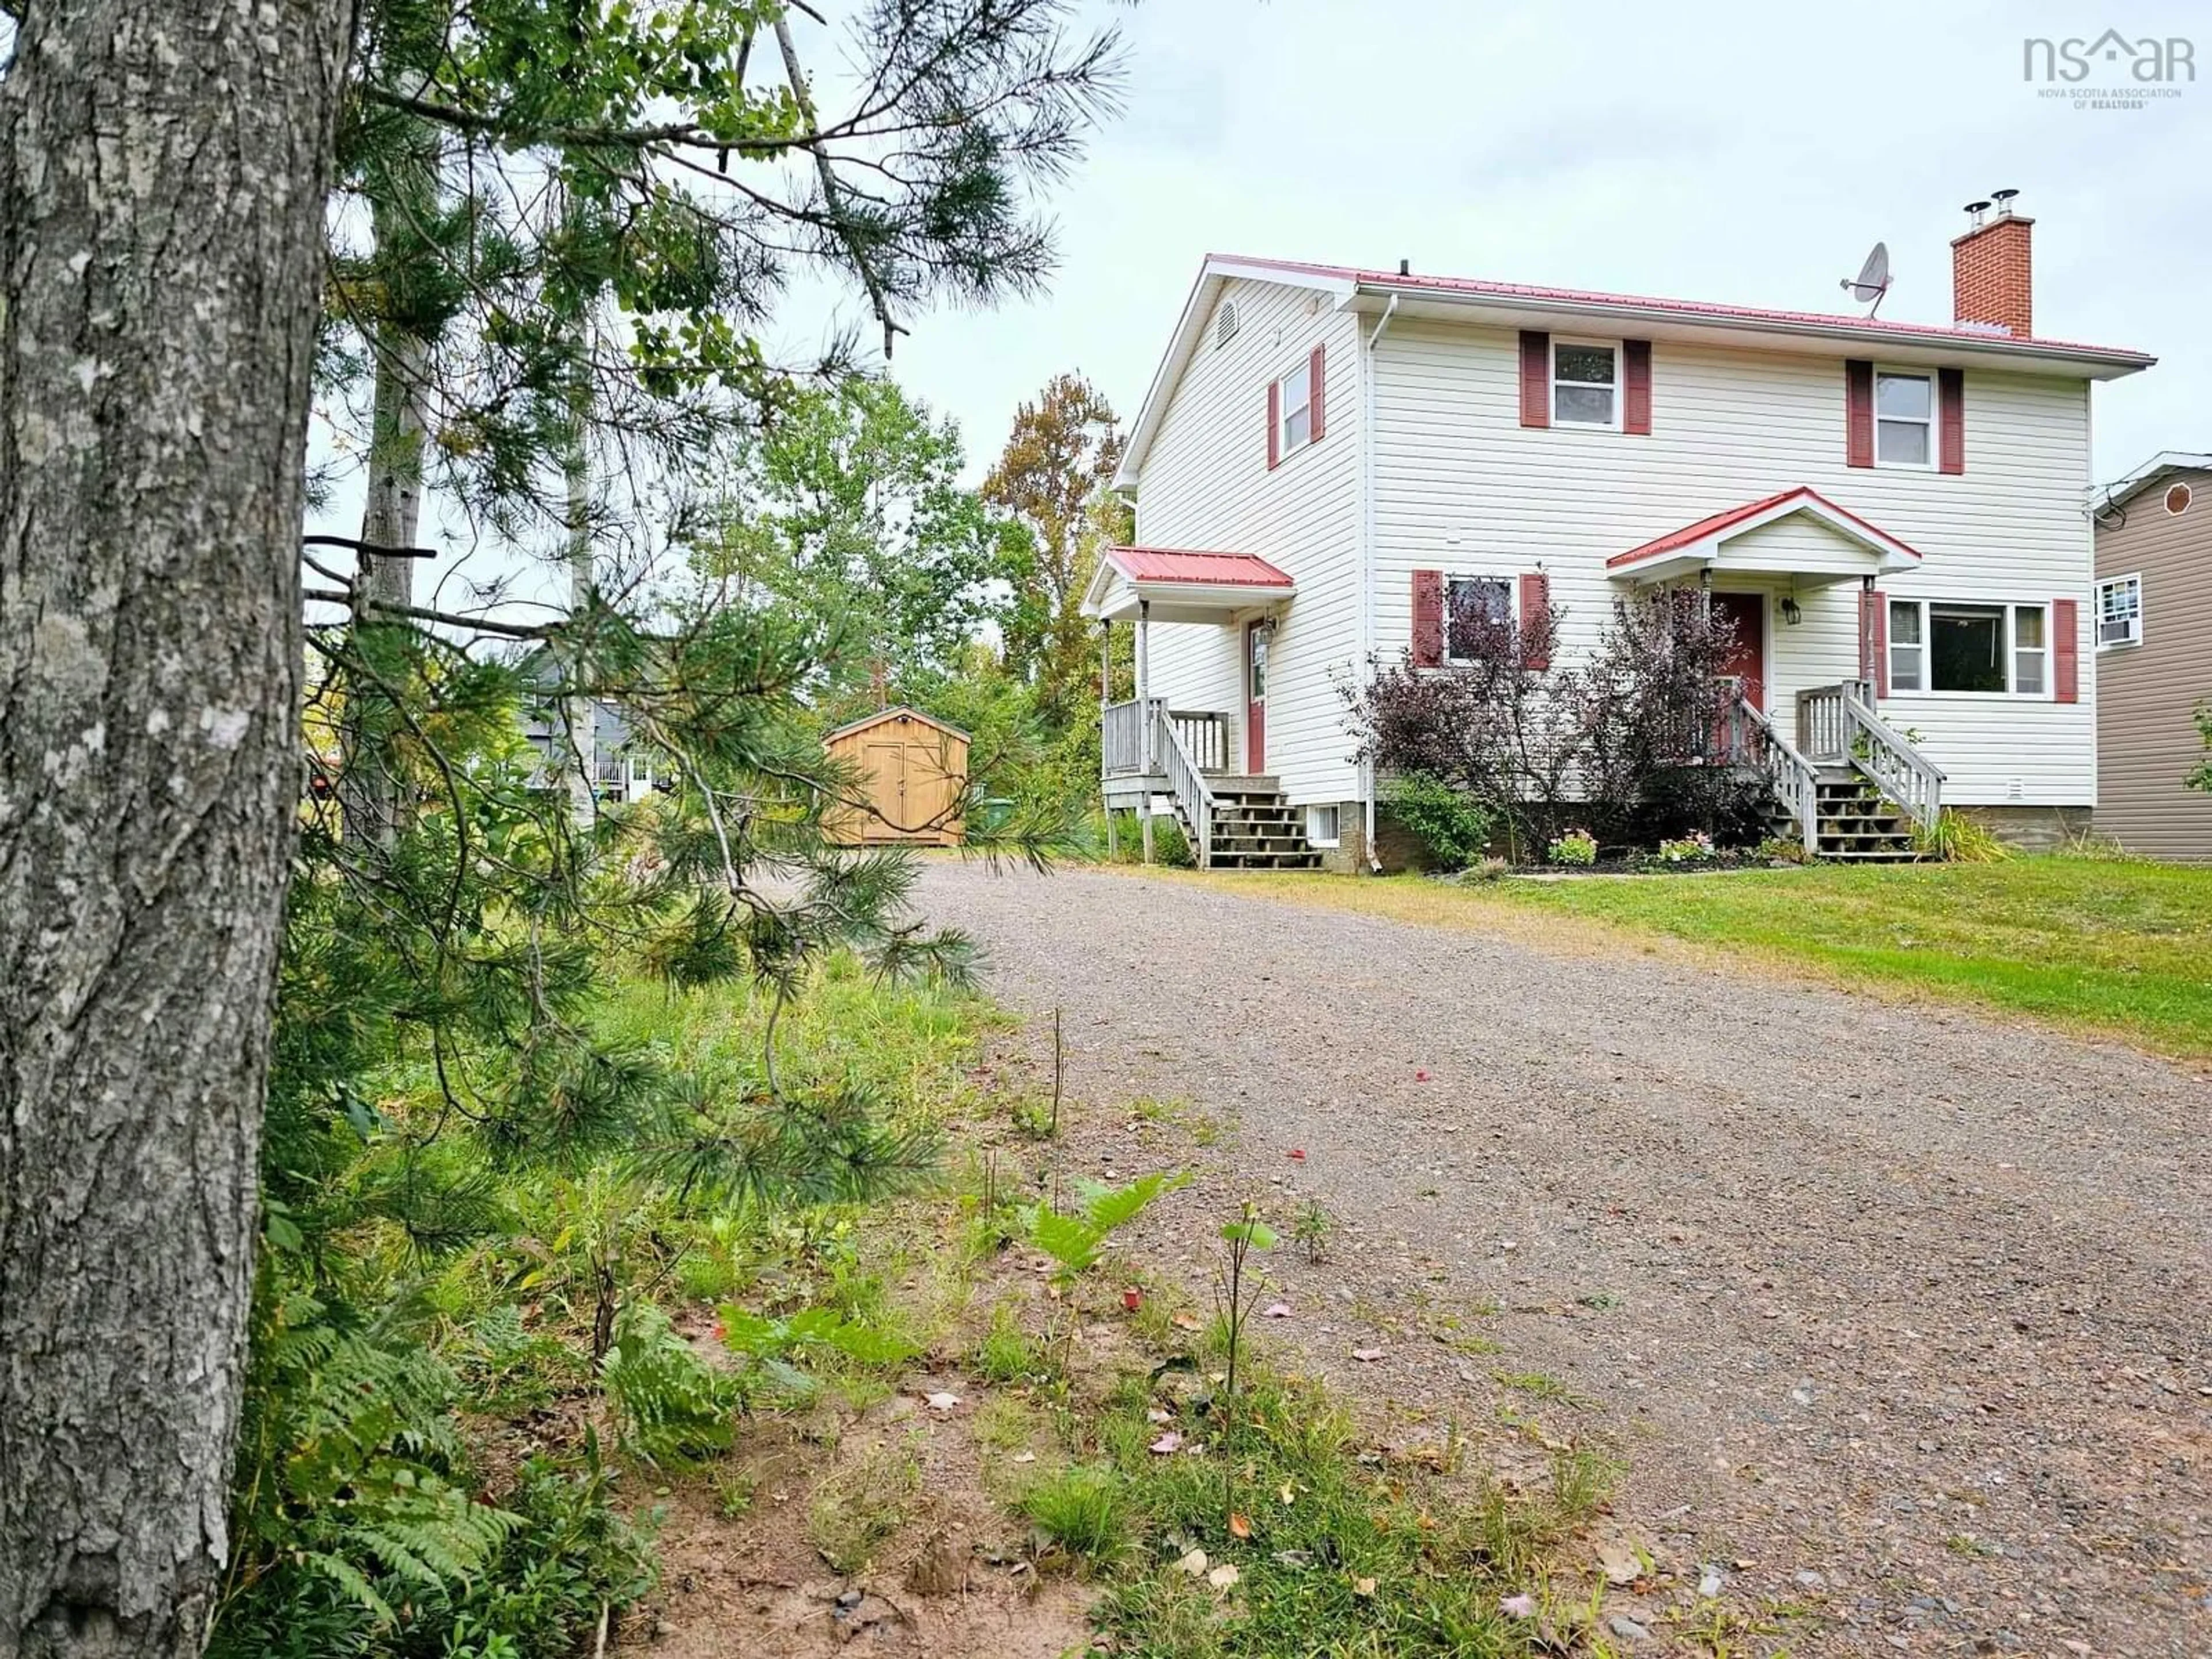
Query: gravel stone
(1990, 1244)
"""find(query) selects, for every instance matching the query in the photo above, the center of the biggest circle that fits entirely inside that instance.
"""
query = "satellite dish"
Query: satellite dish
(1873, 280)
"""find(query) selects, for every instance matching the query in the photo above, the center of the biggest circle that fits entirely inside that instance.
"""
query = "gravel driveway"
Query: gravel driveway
(1905, 1308)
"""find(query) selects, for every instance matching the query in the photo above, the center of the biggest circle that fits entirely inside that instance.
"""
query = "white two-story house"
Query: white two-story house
(1330, 460)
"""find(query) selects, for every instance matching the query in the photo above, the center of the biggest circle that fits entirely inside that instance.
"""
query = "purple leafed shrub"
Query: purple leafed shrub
(1634, 741)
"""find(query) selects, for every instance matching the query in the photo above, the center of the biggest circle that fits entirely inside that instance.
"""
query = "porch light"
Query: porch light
(1791, 616)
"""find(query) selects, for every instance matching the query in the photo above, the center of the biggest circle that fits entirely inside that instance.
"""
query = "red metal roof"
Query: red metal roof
(1717, 522)
(1173, 564)
(1688, 309)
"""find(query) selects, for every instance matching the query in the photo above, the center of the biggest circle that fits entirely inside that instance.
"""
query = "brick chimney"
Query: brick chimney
(1992, 268)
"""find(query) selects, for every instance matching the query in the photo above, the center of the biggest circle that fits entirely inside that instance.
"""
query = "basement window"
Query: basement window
(1322, 826)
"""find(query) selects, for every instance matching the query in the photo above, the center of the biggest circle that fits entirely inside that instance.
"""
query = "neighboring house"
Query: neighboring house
(2153, 611)
(1328, 459)
(622, 770)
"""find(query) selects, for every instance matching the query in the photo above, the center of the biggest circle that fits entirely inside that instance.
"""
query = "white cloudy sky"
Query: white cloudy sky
(1747, 153)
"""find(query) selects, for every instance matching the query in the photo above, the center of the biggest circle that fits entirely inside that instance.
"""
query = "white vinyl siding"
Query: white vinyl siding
(1461, 485)
(1206, 485)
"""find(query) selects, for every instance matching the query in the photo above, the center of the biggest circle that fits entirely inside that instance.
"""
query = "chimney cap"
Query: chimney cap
(2003, 200)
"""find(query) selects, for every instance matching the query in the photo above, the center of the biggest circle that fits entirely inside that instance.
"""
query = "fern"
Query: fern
(357, 1527)
(769, 1343)
(1076, 1239)
(673, 1408)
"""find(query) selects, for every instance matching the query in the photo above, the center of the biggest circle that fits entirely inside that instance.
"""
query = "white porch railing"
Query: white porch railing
(1205, 735)
(1123, 727)
(1837, 725)
(1795, 781)
(1193, 797)
(1823, 732)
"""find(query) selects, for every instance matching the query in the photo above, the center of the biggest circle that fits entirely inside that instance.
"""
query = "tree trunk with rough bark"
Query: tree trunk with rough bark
(162, 174)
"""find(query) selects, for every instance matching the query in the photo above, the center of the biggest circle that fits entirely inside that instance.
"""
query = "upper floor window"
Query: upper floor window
(1471, 606)
(1904, 419)
(1294, 392)
(1997, 650)
(1585, 384)
(2119, 612)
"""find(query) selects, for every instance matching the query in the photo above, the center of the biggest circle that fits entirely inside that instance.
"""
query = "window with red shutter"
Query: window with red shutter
(1428, 618)
(1535, 379)
(2066, 651)
(1858, 413)
(1535, 610)
(1951, 400)
(1636, 386)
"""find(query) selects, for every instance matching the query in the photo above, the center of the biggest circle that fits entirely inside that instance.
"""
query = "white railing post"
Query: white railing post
(1792, 778)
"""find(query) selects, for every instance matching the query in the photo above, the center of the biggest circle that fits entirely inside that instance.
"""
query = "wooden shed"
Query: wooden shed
(912, 771)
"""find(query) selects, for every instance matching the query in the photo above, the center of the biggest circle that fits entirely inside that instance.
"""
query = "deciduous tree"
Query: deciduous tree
(1053, 475)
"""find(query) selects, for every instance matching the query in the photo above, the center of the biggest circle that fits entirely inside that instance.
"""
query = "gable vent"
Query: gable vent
(1224, 324)
(2177, 499)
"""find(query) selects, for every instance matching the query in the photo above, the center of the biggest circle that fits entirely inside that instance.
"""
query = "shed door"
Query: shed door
(886, 764)
(929, 788)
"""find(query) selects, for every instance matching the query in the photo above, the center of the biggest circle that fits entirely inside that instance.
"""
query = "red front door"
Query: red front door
(1748, 662)
(1255, 698)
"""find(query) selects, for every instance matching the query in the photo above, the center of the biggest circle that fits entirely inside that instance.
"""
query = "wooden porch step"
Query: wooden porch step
(1306, 860)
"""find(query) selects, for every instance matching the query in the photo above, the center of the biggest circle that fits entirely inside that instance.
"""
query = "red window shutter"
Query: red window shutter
(1428, 618)
(1535, 379)
(1951, 408)
(1536, 604)
(1635, 386)
(1873, 640)
(1274, 424)
(1858, 413)
(1315, 374)
(2065, 650)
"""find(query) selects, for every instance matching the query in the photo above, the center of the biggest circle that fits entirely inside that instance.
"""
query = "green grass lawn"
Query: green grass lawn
(2103, 945)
